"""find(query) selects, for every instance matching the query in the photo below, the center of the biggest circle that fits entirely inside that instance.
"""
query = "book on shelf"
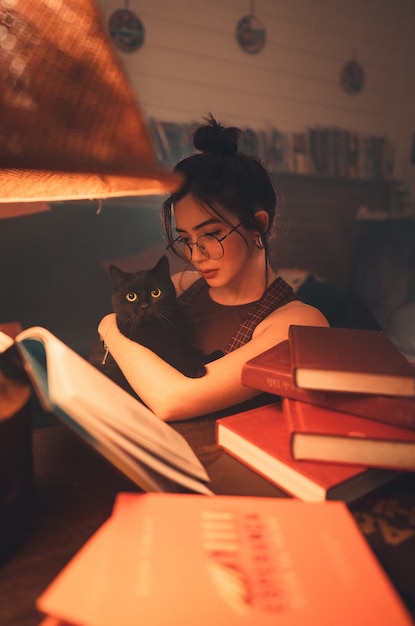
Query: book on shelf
(301, 151)
(324, 151)
(261, 438)
(349, 359)
(117, 426)
(322, 434)
(271, 372)
(181, 559)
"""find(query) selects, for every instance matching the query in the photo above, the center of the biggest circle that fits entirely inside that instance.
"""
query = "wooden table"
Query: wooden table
(74, 494)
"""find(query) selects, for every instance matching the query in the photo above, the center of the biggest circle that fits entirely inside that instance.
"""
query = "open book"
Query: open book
(120, 428)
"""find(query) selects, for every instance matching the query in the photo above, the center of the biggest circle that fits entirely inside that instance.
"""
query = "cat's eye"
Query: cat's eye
(131, 296)
(156, 293)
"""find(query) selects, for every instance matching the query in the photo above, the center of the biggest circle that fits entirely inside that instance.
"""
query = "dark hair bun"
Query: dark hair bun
(215, 138)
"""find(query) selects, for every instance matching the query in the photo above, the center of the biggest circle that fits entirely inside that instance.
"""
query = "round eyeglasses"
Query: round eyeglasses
(209, 245)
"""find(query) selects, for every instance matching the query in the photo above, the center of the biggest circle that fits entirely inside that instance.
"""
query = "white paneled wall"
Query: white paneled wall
(191, 64)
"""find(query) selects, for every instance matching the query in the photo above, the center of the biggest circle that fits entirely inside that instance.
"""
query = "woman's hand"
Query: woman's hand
(105, 325)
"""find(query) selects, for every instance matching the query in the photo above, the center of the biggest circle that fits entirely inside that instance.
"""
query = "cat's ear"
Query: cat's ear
(117, 275)
(163, 264)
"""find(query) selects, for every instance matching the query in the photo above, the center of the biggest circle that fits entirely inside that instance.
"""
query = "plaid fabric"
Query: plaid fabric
(277, 294)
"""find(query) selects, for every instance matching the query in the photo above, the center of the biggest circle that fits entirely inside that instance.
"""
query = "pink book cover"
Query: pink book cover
(190, 559)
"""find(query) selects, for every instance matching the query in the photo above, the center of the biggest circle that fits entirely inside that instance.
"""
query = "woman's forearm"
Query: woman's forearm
(166, 391)
(152, 378)
(173, 396)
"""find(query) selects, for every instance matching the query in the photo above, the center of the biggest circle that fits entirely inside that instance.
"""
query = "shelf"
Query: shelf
(317, 220)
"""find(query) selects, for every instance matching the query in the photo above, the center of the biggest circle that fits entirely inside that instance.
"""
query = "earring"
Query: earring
(259, 243)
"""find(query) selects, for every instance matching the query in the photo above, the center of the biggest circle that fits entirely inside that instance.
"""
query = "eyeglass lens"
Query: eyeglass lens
(207, 244)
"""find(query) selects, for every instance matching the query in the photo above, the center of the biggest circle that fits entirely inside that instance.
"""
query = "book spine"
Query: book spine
(387, 409)
(278, 384)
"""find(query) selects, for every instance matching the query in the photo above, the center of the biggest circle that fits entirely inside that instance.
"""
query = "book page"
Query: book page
(145, 469)
(5, 341)
(93, 403)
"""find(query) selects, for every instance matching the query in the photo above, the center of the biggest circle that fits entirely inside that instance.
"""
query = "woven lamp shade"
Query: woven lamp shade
(70, 126)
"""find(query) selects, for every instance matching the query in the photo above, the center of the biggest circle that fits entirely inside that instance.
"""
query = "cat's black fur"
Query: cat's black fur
(147, 312)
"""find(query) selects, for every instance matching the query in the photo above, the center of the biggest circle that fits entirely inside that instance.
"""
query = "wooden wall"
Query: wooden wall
(191, 64)
(317, 226)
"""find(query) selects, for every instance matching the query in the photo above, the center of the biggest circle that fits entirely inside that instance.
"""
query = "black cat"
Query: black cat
(147, 312)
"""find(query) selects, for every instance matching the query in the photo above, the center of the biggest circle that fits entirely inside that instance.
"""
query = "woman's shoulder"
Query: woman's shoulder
(184, 280)
(295, 312)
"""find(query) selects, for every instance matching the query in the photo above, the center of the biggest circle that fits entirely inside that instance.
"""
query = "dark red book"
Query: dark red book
(349, 359)
(271, 372)
(326, 435)
(11, 328)
(261, 439)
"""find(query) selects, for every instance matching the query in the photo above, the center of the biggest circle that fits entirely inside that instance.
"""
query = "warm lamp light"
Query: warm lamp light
(70, 127)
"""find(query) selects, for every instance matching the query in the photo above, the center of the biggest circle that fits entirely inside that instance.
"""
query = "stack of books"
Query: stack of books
(345, 420)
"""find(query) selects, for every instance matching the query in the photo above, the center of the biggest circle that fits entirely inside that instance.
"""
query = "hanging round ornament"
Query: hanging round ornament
(250, 33)
(352, 77)
(126, 29)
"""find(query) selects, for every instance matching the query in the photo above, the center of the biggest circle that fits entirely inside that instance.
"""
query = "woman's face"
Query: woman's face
(194, 220)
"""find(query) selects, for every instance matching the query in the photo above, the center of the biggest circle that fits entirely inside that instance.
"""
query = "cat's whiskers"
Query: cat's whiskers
(166, 319)
(134, 322)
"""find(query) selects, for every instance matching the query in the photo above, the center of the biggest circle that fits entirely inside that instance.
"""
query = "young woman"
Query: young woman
(219, 222)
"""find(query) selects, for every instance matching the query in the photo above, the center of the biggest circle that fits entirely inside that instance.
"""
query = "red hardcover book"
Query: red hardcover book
(261, 438)
(271, 372)
(164, 559)
(349, 359)
(12, 329)
(321, 434)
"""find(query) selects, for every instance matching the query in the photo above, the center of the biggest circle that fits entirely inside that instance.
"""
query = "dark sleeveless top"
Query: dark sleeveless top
(225, 328)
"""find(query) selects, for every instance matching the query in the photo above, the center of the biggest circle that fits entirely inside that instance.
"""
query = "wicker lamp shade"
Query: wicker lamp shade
(70, 126)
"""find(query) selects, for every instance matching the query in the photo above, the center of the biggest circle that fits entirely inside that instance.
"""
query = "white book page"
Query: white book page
(117, 448)
(88, 396)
